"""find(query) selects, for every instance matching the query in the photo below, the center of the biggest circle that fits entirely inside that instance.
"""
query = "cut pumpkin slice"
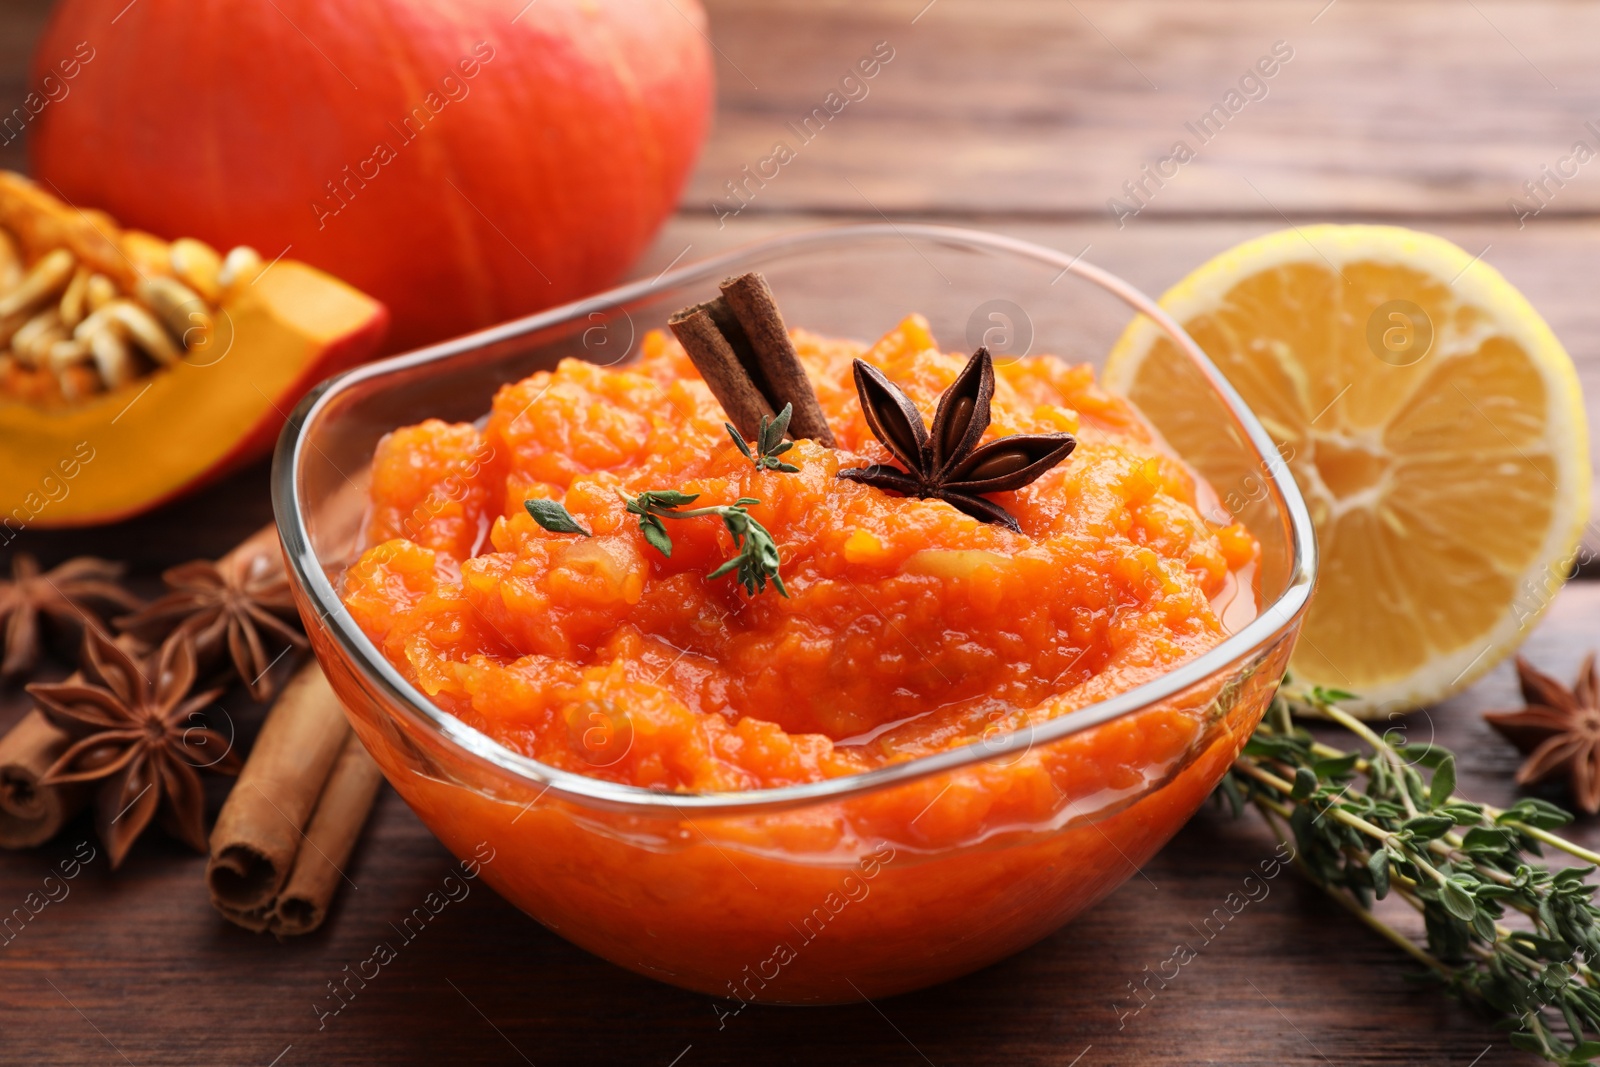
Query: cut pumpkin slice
(1432, 421)
(152, 368)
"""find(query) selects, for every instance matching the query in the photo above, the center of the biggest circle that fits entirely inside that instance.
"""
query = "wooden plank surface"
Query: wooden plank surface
(1021, 117)
(1392, 108)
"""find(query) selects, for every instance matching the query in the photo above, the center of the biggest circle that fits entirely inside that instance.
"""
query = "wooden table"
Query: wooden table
(1022, 117)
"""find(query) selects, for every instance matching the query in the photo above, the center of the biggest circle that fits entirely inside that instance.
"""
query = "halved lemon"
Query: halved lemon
(1432, 420)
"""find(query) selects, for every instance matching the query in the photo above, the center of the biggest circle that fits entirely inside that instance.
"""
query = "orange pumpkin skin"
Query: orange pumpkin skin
(459, 165)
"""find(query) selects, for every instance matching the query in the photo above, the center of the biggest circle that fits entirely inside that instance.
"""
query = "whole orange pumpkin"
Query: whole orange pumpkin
(462, 160)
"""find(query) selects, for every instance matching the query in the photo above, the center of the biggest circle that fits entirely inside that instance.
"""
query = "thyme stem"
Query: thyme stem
(1571, 848)
(1389, 820)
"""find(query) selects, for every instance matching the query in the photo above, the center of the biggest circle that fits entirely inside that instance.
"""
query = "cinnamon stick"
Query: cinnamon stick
(699, 331)
(257, 920)
(341, 812)
(260, 829)
(783, 379)
(741, 347)
(31, 814)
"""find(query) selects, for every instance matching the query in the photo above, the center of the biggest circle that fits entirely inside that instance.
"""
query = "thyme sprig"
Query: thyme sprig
(756, 561)
(1502, 930)
(769, 442)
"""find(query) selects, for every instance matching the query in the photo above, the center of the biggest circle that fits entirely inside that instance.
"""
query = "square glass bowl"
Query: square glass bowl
(855, 887)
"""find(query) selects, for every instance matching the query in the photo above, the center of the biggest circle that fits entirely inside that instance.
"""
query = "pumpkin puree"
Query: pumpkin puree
(910, 628)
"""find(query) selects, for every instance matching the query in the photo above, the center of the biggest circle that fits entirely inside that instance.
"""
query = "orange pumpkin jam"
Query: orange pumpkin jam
(909, 628)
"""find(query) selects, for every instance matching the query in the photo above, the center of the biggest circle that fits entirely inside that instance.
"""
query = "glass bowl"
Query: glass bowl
(855, 887)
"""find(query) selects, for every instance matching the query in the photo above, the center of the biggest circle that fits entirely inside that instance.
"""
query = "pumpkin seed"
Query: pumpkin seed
(241, 264)
(199, 266)
(33, 340)
(74, 302)
(145, 331)
(141, 326)
(179, 307)
(113, 358)
(48, 277)
(101, 291)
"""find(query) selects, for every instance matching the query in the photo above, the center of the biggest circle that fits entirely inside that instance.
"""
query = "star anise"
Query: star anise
(1559, 730)
(75, 593)
(228, 606)
(947, 463)
(135, 727)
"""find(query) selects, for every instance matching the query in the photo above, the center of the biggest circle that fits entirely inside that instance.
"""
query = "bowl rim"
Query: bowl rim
(1271, 623)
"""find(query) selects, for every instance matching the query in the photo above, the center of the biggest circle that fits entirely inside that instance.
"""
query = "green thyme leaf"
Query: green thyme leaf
(656, 534)
(769, 442)
(1488, 840)
(1423, 755)
(772, 430)
(1378, 867)
(1427, 827)
(1457, 901)
(658, 499)
(1444, 781)
(1539, 814)
(1462, 814)
(553, 516)
(1571, 877)
(738, 439)
(1335, 769)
